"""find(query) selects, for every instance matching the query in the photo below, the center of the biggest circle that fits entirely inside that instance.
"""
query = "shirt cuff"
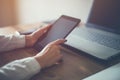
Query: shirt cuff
(23, 69)
(19, 40)
(10, 42)
(33, 64)
(32, 67)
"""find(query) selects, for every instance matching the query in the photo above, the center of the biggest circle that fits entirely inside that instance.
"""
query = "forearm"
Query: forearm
(11, 42)
(20, 69)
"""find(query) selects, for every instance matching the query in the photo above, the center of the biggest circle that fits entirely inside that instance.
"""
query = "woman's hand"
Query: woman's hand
(32, 38)
(50, 54)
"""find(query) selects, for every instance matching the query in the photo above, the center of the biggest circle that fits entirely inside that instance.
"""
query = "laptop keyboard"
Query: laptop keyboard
(105, 40)
(101, 39)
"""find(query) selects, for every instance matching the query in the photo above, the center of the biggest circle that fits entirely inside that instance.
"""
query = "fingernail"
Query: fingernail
(65, 40)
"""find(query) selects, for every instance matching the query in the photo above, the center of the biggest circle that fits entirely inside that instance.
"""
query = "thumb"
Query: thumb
(58, 42)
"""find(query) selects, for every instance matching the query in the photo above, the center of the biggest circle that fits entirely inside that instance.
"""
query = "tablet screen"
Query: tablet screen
(60, 29)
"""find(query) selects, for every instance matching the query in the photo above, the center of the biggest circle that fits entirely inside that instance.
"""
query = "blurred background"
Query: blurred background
(14, 12)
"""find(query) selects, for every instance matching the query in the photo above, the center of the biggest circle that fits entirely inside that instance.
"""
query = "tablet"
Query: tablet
(59, 30)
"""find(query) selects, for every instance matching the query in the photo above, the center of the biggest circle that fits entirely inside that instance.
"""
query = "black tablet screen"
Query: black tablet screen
(60, 29)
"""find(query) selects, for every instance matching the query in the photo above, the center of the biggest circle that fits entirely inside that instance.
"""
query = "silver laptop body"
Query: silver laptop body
(100, 36)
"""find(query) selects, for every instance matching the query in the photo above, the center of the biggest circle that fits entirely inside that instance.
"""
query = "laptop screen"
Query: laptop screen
(106, 13)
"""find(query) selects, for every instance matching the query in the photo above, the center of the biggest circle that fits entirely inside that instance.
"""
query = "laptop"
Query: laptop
(111, 73)
(100, 36)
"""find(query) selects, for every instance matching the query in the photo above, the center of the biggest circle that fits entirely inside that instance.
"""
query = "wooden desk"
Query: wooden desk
(73, 67)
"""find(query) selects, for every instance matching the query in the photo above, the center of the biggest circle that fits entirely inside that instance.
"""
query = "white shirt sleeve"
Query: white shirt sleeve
(20, 69)
(10, 42)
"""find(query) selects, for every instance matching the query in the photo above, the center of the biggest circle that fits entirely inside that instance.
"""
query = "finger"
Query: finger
(46, 28)
(42, 30)
(59, 41)
(59, 60)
